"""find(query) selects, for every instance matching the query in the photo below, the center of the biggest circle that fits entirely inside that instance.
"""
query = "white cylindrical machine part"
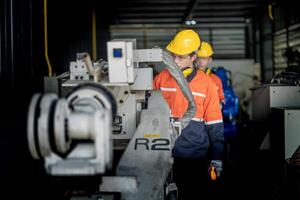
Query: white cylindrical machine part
(62, 110)
(57, 126)
(80, 126)
(32, 125)
(43, 123)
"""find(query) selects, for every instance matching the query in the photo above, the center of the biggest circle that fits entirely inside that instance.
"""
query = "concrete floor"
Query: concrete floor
(251, 173)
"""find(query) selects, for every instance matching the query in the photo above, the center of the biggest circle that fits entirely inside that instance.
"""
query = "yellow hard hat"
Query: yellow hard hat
(184, 42)
(205, 50)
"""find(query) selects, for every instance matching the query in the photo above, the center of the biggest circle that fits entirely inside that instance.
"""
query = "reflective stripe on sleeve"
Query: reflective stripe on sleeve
(214, 122)
(168, 89)
(194, 119)
(199, 94)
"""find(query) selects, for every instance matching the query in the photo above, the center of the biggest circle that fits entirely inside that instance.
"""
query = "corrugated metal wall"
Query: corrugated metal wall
(284, 38)
(227, 42)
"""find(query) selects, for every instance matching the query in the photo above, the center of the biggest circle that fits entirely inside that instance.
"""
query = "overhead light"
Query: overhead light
(190, 22)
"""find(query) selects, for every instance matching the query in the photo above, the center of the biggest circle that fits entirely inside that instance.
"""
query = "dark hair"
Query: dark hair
(193, 53)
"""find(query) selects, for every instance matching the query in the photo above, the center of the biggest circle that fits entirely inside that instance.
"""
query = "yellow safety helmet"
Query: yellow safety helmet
(205, 50)
(184, 42)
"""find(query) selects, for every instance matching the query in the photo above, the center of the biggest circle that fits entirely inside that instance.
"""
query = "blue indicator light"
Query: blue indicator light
(117, 53)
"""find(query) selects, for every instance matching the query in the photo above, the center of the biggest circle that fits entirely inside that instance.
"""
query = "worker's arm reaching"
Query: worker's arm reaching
(214, 127)
(215, 132)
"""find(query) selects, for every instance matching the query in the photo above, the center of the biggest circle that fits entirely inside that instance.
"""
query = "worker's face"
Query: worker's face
(184, 61)
(203, 62)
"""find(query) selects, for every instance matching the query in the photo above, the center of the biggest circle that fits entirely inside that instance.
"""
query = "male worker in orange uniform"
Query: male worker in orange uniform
(206, 128)
(205, 54)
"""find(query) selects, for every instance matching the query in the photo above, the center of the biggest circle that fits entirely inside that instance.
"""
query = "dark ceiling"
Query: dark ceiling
(179, 11)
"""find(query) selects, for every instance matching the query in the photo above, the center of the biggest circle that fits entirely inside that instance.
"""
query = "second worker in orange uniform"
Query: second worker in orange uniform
(205, 54)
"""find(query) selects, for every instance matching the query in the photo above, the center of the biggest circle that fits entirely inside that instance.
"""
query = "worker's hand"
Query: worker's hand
(168, 59)
(215, 169)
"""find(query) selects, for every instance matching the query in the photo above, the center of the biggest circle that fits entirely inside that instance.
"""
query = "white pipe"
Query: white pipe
(95, 72)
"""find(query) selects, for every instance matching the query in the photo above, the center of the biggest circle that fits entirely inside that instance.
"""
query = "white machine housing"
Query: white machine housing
(124, 58)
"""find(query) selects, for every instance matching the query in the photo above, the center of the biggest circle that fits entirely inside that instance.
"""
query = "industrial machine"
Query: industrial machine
(267, 96)
(284, 138)
(276, 114)
(97, 109)
(230, 109)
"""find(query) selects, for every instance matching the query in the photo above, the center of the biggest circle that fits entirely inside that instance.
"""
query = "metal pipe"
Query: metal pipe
(95, 72)
(80, 126)
(94, 33)
(46, 39)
